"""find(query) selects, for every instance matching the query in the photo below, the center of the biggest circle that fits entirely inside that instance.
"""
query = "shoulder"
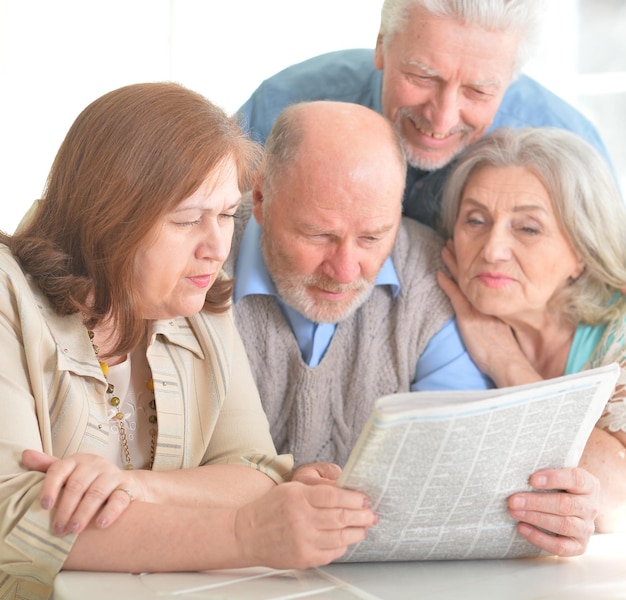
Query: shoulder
(13, 280)
(527, 103)
(417, 244)
(8, 264)
(325, 65)
(213, 329)
(216, 336)
(344, 75)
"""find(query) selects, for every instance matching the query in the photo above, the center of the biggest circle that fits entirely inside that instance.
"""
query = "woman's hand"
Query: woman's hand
(566, 515)
(80, 487)
(299, 526)
(489, 341)
(316, 473)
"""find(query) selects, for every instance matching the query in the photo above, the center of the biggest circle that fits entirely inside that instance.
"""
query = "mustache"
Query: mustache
(329, 285)
(424, 124)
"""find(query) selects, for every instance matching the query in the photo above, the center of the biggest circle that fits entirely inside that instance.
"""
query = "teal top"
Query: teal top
(586, 340)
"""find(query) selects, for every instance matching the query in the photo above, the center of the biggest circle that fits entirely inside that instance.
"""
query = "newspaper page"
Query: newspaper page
(438, 467)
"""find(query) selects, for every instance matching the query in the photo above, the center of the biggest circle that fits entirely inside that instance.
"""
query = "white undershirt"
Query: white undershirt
(129, 379)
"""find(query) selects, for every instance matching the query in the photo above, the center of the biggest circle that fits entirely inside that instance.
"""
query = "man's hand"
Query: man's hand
(560, 522)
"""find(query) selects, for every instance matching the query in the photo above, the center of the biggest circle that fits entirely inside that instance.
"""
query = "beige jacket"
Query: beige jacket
(52, 398)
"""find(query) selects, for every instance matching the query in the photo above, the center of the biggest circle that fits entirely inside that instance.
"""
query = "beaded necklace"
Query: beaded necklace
(119, 418)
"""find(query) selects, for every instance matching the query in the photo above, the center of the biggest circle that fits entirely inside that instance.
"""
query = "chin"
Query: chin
(427, 162)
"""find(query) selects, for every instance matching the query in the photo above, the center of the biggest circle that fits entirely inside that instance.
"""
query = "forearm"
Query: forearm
(293, 526)
(156, 537)
(605, 457)
(216, 486)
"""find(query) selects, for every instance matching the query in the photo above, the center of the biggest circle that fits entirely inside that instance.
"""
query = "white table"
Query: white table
(599, 574)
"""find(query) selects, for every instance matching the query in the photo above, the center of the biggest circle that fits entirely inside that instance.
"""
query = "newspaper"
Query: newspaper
(439, 466)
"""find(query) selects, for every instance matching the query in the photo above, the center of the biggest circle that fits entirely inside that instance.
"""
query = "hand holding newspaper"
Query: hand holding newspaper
(438, 467)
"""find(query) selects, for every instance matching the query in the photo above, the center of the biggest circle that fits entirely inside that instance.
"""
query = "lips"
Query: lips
(494, 280)
(422, 130)
(436, 136)
(201, 281)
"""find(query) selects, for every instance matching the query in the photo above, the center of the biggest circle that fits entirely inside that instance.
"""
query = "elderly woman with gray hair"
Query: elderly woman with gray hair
(537, 253)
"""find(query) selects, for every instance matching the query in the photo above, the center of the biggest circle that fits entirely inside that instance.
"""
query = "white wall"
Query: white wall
(56, 56)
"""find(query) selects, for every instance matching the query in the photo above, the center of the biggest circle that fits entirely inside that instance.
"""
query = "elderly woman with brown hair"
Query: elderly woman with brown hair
(537, 252)
(132, 437)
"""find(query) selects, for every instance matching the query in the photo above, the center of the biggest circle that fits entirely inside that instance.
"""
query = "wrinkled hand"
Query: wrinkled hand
(80, 487)
(567, 515)
(316, 473)
(297, 526)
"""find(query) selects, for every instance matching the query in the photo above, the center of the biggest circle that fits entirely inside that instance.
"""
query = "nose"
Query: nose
(497, 245)
(343, 264)
(215, 242)
(443, 109)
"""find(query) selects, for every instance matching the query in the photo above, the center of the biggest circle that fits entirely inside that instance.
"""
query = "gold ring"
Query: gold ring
(127, 492)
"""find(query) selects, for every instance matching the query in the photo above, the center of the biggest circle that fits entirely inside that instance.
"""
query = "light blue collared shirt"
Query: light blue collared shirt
(351, 76)
(444, 364)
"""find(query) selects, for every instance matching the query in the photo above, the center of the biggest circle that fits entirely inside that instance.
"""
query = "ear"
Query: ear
(578, 270)
(378, 53)
(257, 201)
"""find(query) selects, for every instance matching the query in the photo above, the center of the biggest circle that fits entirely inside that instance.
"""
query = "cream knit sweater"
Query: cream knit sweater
(317, 413)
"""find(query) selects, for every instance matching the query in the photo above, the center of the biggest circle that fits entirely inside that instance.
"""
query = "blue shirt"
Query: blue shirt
(444, 364)
(350, 76)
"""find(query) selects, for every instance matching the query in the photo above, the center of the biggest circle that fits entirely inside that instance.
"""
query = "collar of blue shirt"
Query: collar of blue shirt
(252, 277)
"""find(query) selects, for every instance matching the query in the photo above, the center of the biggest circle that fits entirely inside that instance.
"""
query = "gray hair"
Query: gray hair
(282, 147)
(587, 205)
(524, 16)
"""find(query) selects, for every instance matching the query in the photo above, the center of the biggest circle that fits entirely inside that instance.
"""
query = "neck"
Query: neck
(546, 346)
(104, 338)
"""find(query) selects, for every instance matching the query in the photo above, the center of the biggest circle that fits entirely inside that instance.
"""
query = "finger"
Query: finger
(329, 471)
(316, 473)
(320, 550)
(56, 477)
(459, 301)
(33, 460)
(341, 539)
(117, 503)
(574, 480)
(105, 498)
(330, 496)
(449, 259)
(554, 544)
(76, 485)
(558, 503)
(336, 519)
(565, 525)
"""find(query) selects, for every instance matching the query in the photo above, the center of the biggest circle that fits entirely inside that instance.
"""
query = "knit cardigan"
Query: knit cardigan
(317, 413)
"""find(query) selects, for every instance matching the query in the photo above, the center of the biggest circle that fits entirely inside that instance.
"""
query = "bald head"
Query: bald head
(337, 138)
(329, 203)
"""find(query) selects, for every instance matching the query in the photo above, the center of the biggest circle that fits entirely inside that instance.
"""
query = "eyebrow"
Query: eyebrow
(517, 208)
(429, 71)
(316, 229)
(196, 206)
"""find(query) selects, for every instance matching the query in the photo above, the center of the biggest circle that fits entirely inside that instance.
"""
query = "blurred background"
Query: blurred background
(56, 56)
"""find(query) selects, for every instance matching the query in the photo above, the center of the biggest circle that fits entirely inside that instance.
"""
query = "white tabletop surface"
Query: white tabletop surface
(599, 574)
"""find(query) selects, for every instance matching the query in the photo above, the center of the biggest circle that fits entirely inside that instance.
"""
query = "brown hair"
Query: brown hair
(130, 157)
